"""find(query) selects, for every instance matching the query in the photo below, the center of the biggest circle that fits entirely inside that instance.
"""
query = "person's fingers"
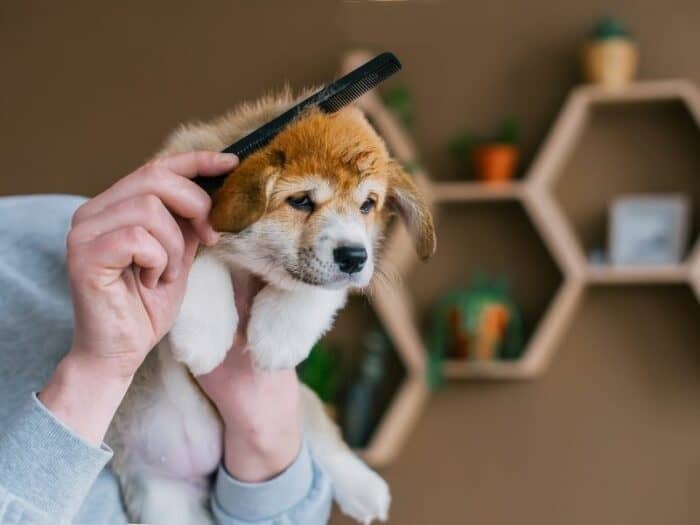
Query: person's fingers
(146, 211)
(117, 250)
(181, 196)
(199, 163)
(166, 177)
(191, 243)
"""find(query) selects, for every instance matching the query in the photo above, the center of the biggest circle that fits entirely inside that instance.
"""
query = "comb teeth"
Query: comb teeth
(347, 96)
(244, 148)
(357, 89)
(249, 148)
(330, 99)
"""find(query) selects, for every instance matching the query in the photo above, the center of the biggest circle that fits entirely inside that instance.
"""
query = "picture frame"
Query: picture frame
(648, 229)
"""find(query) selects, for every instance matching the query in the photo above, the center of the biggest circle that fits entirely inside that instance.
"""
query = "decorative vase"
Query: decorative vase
(495, 163)
(611, 62)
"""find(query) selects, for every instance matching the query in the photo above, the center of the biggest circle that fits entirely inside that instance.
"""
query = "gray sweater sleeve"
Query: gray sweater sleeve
(45, 469)
(300, 494)
(47, 472)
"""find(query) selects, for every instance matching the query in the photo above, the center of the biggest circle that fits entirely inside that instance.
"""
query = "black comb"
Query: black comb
(329, 100)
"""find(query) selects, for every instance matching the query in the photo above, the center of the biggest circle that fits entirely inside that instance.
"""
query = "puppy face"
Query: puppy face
(311, 206)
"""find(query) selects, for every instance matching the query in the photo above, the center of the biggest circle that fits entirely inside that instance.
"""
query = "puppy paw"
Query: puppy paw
(206, 324)
(284, 325)
(360, 492)
(201, 355)
(275, 353)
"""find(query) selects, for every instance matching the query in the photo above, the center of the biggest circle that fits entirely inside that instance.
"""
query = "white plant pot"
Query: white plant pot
(611, 62)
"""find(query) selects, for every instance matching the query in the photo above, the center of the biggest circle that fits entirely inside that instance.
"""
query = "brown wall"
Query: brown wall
(611, 434)
(89, 92)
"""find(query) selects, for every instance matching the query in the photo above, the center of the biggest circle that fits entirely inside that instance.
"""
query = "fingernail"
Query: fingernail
(226, 160)
(213, 237)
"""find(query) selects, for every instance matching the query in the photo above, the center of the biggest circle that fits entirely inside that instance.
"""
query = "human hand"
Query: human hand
(129, 251)
(260, 409)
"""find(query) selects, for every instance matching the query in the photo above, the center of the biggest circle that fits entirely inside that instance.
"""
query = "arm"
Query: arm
(129, 251)
(267, 471)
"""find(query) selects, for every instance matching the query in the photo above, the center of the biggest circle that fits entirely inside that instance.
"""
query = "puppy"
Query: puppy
(305, 215)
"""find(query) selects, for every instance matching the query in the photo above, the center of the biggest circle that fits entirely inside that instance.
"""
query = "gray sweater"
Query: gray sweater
(49, 475)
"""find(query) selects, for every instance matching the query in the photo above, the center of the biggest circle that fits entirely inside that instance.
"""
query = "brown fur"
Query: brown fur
(342, 149)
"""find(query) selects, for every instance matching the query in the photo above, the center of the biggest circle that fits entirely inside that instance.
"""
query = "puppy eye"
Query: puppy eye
(301, 202)
(368, 206)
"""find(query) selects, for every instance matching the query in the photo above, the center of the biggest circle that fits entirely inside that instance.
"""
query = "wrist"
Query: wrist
(84, 394)
(262, 425)
(253, 456)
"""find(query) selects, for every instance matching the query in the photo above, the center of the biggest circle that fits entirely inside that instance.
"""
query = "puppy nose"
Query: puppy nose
(350, 259)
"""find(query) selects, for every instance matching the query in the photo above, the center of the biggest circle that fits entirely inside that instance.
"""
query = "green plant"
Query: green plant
(609, 27)
(462, 144)
(321, 371)
(470, 304)
(399, 101)
(508, 133)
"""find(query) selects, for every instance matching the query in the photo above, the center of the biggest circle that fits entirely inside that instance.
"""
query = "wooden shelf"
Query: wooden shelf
(649, 91)
(606, 143)
(531, 231)
(638, 274)
(497, 370)
(467, 191)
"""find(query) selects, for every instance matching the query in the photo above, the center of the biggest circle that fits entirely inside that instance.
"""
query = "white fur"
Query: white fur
(167, 441)
(206, 324)
(359, 491)
(167, 435)
(163, 466)
(175, 502)
(285, 324)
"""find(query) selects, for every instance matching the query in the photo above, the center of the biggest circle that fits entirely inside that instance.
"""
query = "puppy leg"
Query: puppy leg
(162, 501)
(359, 491)
(204, 329)
(284, 324)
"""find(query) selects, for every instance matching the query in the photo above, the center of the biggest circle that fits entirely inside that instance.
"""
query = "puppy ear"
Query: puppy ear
(406, 200)
(244, 197)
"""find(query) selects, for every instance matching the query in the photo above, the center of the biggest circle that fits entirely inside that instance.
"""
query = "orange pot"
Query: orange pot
(495, 163)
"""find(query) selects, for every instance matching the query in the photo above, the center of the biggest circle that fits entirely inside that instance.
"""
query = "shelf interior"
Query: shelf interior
(348, 338)
(613, 314)
(494, 238)
(632, 148)
(619, 402)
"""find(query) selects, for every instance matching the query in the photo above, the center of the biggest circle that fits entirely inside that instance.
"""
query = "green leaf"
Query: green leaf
(609, 27)
(399, 102)
(509, 132)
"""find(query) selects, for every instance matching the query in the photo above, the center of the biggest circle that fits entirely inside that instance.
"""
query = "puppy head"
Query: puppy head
(311, 206)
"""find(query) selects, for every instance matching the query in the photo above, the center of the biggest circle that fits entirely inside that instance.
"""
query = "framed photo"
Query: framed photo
(648, 229)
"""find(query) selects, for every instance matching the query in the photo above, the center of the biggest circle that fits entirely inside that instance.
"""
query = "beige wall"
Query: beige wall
(611, 434)
(88, 92)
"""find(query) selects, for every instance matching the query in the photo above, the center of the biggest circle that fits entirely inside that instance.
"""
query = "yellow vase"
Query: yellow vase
(611, 62)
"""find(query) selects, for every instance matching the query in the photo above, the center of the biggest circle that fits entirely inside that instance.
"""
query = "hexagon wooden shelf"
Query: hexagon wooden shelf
(607, 143)
(485, 229)
(540, 245)
(390, 302)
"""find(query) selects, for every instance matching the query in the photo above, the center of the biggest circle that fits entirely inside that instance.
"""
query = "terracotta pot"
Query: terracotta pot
(495, 163)
(611, 62)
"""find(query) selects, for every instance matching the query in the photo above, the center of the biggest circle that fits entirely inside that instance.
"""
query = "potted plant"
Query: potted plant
(610, 56)
(481, 322)
(494, 159)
